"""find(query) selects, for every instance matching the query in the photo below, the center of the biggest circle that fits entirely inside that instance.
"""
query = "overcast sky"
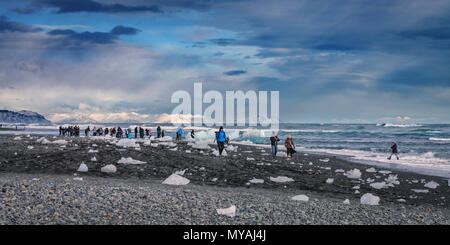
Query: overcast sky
(332, 61)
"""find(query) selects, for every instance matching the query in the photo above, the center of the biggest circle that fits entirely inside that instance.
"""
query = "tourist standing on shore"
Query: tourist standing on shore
(163, 132)
(290, 146)
(179, 134)
(192, 134)
(60, 130)
(221, 137)
(87, 131)
(135, 132)
(394, 151)
(119, 132)
(158, 130)
(141, 132)
(274, 143)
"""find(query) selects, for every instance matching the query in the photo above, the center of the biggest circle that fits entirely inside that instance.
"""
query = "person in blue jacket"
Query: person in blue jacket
(179, 134)
(221, 138)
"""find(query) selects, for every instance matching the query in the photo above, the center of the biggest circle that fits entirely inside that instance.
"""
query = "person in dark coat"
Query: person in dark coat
(394, 151)
(158, 130)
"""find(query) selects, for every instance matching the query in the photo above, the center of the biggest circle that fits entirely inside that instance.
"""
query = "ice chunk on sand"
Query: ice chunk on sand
(353, 174)
(232, 148)
(176, 179)
(420, 190)
(401, 200)
(384, 172)
(371, 170)
(30, 147)
(346, 201)
(201, 145)
(78, 178)
(94, 159)
(109, 169)
(17, 138)
(188, 151)
(59, 142)
(378, 185)
(93, 151)
(42, 140)
(82, 168)
(330, 181)
(256, 181)
(250, 159)
(165, 138)
(339, 171)
(129, 160)
(392, 179)
(369, 199)
(147, 143)
(127, 143)
(369, 180)
(431, 185)
(302, 198)
(281, 179)
(230, 212)
(324, 160)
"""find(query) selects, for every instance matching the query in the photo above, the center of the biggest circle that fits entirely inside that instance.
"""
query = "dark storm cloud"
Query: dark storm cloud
(124, 30)
(235, 72)
(72, 6)
(10, 26)
(94, 37)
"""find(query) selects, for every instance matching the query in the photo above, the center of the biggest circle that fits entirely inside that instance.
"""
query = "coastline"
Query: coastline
(212, 176)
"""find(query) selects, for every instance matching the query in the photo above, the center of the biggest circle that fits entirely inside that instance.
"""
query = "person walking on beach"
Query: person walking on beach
(394, 151)
(158, 130)
(221, 137)
(179, 134)
(274, 143)
(290, 146)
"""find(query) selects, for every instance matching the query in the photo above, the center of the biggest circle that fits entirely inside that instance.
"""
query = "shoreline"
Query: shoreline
(228, 174)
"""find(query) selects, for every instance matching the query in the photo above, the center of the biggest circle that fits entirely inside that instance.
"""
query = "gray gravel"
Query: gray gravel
(59, 199)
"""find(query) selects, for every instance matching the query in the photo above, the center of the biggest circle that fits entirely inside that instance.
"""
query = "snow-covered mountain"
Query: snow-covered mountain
(7, 116)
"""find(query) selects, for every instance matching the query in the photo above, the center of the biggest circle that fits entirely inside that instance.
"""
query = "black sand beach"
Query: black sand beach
(215, 182)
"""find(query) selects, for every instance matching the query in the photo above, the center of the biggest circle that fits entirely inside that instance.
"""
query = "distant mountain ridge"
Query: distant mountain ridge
(23, 116)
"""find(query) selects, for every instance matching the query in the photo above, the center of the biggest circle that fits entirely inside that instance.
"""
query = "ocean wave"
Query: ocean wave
(311, 131)
(400, 125)
(439, 139)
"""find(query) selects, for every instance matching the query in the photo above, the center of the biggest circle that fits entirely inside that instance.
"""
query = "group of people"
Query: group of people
(290, 146)
(118, 132)
(288, 143)
(221, 138)
(69, 131)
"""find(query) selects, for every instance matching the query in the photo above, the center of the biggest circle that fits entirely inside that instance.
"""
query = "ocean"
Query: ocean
(423, 148)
